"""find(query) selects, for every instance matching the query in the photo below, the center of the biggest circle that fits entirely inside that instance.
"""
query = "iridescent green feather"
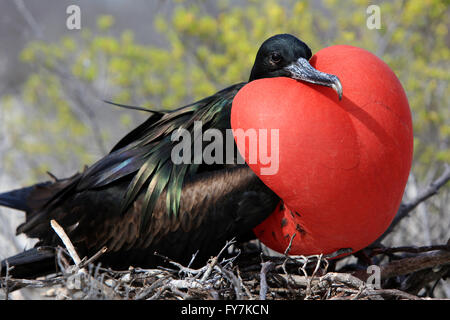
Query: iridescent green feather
(144, 154)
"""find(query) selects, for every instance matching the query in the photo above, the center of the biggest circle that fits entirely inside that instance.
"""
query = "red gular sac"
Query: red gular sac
(342, 164)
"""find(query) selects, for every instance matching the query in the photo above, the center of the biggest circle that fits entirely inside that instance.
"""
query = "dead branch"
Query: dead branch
(413, 264)
(233, 279)
(6, 286)
(306, 278)
(419, 280)
(265, 267)
(79, 274)
(377, 294)
(412, 249)
(28, 17)
(408, 206)
(86, 262)
(66, 241)
(410, 265)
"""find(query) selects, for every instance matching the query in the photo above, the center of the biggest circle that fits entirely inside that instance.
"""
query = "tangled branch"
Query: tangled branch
(407, 272)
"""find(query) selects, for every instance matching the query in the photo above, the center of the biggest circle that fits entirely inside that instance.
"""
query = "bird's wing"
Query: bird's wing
(185, 206)
(215, 206)
(144, 155)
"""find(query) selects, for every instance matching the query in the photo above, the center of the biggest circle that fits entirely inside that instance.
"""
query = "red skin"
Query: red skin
(343, 165)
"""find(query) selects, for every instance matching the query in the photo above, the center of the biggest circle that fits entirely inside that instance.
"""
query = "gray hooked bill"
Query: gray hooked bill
(302, 70)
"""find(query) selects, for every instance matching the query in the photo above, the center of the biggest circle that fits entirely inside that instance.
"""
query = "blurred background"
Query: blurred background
(164, 54)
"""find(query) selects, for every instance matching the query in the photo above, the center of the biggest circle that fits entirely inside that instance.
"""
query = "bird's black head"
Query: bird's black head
(284, 55)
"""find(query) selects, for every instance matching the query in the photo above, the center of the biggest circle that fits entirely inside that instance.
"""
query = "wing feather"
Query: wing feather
(144, 154)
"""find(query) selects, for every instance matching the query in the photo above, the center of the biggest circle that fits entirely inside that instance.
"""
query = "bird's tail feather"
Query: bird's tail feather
(29, 264)
(16, 199)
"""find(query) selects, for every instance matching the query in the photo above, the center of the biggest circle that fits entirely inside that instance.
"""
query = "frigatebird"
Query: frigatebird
(136, 201)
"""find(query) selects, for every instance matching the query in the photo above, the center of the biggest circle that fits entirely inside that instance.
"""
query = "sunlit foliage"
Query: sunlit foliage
(207, 51)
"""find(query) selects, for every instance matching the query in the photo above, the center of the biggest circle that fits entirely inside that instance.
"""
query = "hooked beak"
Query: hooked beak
(302, 70)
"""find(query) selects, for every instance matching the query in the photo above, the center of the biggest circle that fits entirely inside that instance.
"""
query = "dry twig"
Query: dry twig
(407, 207)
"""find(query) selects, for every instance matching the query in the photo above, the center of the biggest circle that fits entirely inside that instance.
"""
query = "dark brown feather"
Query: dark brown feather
(215, 207)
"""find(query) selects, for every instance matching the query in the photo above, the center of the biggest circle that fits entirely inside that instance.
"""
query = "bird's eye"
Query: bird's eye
(275, 57)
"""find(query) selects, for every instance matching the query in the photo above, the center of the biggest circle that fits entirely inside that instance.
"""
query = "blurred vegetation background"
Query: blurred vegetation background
(164, 54)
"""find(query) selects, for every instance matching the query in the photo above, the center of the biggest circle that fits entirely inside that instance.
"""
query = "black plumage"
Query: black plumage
(136, 201)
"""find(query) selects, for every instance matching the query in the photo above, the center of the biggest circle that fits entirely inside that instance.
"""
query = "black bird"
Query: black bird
(136, 201)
